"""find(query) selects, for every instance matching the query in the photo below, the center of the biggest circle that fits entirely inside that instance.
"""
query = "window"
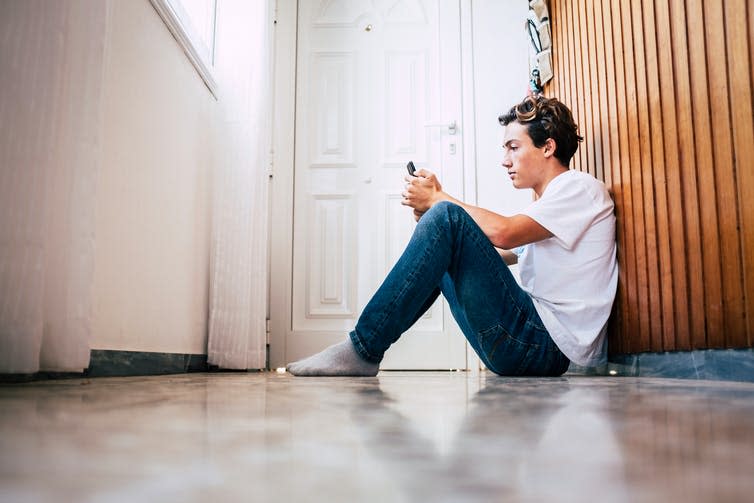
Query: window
(192, 23)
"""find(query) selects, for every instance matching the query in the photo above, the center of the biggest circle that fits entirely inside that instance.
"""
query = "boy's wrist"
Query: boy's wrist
(439, 197)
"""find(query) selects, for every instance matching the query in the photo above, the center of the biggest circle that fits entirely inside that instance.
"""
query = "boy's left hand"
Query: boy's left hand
(421, 192)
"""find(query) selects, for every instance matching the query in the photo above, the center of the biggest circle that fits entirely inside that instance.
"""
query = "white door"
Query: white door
(378, 84)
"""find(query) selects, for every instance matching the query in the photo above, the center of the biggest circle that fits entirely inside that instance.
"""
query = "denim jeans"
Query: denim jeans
(449, 253)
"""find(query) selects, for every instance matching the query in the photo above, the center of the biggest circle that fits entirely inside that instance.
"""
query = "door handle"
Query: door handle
(451, 127)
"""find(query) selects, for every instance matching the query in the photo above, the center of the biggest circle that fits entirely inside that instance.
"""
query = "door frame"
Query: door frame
(281, 173)
(283, 161)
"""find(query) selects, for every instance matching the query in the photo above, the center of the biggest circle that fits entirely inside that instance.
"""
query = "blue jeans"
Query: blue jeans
(449, 253)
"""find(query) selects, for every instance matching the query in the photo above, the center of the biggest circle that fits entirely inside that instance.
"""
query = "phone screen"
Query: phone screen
(411, 168)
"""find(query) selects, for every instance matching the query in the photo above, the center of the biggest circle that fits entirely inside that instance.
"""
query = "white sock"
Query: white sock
(338, 360)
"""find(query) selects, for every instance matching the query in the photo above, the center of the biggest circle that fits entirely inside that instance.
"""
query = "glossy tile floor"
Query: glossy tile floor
(415, 437)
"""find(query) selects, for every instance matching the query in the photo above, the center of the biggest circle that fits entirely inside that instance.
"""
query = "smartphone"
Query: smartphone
(411, 168)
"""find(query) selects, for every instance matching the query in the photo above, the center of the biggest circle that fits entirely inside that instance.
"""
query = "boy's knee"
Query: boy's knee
(444, 207)
(444, 215)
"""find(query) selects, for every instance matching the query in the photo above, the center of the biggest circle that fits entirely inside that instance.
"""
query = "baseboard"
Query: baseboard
(703, 364)
(110, 363)
(706, 364)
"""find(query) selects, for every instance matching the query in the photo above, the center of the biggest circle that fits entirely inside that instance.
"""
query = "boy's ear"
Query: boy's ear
(550, 147)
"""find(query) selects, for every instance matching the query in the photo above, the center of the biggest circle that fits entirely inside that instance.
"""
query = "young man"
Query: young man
(564, 243)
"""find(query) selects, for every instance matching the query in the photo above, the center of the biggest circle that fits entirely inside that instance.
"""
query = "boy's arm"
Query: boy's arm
(424, 191)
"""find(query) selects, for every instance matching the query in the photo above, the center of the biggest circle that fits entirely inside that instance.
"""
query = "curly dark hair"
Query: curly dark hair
(547, 118)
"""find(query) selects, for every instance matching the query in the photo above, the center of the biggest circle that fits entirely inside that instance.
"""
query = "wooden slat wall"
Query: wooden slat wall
(662, 92)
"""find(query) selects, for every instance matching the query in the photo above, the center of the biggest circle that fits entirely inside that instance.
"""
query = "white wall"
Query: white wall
(501, 71)
(108, 151)
(154, 194)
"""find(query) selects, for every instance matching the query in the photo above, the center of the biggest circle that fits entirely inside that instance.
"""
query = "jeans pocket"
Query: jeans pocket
(536, 325)
(490, 338)
(504, 354)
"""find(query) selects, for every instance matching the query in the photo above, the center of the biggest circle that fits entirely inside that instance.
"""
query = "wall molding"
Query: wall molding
(179, 26)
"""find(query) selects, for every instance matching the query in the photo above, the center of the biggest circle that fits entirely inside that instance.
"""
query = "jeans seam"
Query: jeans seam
(505, 336)
(491, 351)
(511, 337)
(526, 360)
(493, 265)
(410, 279)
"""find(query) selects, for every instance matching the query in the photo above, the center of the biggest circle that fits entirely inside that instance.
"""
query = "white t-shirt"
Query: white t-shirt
(572, 276)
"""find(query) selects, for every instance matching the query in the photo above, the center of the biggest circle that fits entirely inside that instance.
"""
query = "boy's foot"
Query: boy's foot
(338, 360)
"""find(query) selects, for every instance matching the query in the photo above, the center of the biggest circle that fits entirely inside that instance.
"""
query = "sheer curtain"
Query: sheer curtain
(238, 263)
(51, 61)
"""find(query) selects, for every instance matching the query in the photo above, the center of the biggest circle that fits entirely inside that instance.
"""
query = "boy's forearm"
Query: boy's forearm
(490, 222)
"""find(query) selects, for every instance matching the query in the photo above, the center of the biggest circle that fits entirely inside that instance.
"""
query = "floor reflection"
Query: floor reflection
(520, 440)
(398, 437)
(689, 441)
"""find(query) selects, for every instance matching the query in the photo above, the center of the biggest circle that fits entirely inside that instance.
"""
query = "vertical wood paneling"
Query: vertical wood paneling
(603, 158)
(597, 166)
(724, 168)
(666, 312)
(750, 296)
(625, 201)
(740, 83)
(571, 64)
(687, 175)
(662, 92)
(712, 294)
(634, 155)
(650, 295)
(679, 339)
(621, 302)
(587, 163)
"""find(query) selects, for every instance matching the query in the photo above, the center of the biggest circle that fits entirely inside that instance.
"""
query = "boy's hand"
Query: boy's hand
(422, 192)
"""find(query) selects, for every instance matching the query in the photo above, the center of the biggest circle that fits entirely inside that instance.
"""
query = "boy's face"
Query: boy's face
(525, 162)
